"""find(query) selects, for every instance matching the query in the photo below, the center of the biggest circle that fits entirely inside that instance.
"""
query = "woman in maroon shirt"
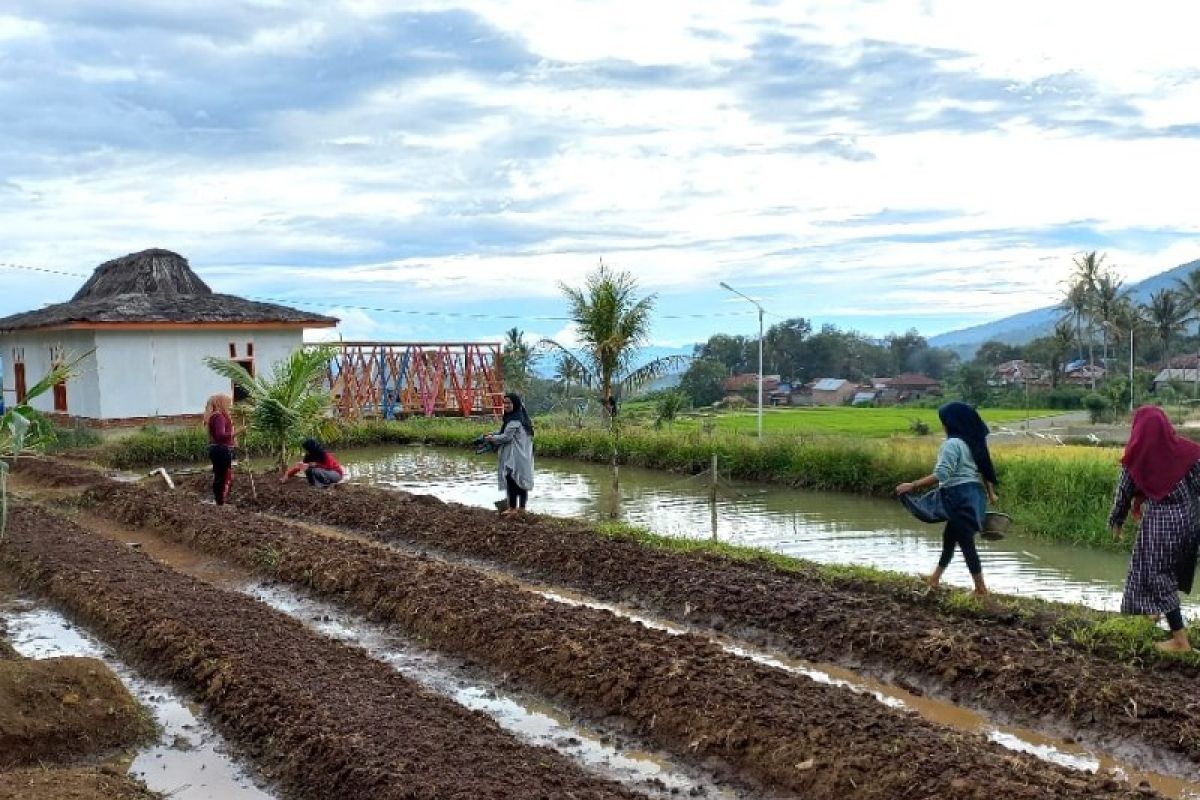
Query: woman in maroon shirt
(221, 441)
(318, 465)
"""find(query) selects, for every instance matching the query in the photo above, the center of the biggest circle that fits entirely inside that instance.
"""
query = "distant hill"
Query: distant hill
(1028, 325)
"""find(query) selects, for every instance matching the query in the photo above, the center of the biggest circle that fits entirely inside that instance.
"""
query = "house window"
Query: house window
(19, 377)
(240, 394)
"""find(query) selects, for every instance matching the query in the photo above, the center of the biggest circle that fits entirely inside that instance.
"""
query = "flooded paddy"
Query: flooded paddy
(825, 527)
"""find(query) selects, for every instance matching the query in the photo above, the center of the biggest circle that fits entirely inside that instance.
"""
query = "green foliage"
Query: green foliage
(920, 427)
(516, 359)
(702, 382)
(289, 405)
(612, 325)
(24, 428)
(669, 406)
(1097, 405)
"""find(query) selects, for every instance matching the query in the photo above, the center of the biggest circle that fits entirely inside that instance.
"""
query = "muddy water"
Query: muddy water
(825, 527)
(535, 722)
(190, 760)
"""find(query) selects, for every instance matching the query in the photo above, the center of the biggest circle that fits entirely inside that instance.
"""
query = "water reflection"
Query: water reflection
(819, 526)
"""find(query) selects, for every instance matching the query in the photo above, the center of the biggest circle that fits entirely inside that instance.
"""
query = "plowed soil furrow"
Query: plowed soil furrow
(682, 692)
(323, 718)
(1006, 664)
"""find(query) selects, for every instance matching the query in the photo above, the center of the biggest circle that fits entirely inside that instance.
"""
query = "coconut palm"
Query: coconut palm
(290, 405)
(23, 428)
(612, 325)
(1106, 299)
(1076, 304)
(1089, 268)
(1189, 293)
(516, 356)
(1168, 315)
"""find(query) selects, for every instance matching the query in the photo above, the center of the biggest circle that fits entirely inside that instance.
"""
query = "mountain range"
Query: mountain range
(1028, 325)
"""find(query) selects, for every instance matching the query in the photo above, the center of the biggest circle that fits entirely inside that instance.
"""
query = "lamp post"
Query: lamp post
(760, 352)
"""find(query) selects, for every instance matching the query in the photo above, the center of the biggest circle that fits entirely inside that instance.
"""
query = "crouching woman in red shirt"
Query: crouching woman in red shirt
(318, 465)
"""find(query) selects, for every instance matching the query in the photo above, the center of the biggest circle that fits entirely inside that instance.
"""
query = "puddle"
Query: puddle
(535, 722)
(190, 759)
(940, 712)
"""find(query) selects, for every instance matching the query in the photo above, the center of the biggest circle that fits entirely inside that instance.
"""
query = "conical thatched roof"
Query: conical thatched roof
(153, 272)
(158, 287)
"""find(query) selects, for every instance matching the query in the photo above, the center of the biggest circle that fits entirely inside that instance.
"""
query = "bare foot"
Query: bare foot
(1174, 646)
(980, 592)
(931, 580)
(508, 512)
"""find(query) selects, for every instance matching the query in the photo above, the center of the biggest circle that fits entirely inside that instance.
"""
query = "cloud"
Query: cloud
(456, 160)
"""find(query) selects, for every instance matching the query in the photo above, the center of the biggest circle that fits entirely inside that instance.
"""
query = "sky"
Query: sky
(436, 172)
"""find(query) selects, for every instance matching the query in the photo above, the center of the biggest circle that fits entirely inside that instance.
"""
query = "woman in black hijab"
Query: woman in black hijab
(514, 453)
(966, 479)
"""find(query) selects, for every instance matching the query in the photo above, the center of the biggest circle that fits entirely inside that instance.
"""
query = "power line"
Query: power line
(382, 310)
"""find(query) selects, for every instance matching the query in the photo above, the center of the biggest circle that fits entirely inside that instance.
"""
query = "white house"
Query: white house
(148, 322)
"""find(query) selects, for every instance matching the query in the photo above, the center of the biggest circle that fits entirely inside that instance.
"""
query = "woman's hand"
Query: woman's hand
(905, 488)
(487, 437)
(1117, 532)
(993, 498)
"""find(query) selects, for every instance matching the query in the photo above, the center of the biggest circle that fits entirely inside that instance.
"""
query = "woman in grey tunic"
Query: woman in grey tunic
(514, 453)
(1160, 483)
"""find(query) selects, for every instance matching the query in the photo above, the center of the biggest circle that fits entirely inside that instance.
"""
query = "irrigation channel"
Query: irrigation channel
(816, 730)
(825, 527)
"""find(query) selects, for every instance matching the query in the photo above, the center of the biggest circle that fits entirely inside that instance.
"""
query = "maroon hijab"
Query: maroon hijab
(1156, 457)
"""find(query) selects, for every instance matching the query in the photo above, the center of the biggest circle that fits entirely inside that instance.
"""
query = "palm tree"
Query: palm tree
(1167, 315)
(23, 428)
(1089, 267)
(1106, 298)
(612, 324)
(1189, 293)
(517, 356)
(1061, 342)
(290, 405)
(1075, 304)
(566, 372)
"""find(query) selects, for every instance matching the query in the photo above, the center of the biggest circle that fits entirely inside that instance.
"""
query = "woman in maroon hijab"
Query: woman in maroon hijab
(1160, 480)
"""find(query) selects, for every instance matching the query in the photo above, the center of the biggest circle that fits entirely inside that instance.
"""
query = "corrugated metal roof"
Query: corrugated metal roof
(829, 384)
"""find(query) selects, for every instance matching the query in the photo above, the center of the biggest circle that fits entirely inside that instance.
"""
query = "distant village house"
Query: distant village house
(832, 392)
(149, 322)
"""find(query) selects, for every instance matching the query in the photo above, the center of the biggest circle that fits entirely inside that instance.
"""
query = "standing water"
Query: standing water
(825, 527)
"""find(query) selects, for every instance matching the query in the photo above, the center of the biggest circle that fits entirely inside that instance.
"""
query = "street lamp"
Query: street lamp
(1132, 386)
(760, 351)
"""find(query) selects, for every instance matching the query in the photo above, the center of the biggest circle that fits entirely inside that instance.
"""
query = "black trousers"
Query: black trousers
(517, 497)
(222, 464)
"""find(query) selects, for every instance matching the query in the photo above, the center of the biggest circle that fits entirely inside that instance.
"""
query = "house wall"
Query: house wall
(161, 373)
(83, 396)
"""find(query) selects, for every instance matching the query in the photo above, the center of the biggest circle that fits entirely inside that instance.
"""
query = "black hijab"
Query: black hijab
(518, 413)
(313, 452)
(963, 422)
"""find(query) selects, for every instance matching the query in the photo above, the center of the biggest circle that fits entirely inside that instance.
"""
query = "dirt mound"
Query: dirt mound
(55, 472)
(1020, 666)
(682, 692)
(56, 709)
(72, 784)
(322, 717)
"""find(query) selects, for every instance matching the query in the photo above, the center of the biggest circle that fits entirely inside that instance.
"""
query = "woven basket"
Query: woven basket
(995, 525)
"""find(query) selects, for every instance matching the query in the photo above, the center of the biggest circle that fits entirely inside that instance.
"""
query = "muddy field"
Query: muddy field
(55, 714)
(1017, 667)
(682, 692)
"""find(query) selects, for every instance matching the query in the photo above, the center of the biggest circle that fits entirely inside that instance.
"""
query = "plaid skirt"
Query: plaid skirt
(1164, 553)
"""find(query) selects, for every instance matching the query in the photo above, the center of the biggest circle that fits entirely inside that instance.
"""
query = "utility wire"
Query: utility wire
(383, 310)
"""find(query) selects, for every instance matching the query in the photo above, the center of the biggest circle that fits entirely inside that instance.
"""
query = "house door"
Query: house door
(19, 378)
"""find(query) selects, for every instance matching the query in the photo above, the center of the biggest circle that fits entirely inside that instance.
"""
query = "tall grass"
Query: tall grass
(1061, 492)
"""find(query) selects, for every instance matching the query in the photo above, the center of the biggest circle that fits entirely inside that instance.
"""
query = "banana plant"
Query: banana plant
(23, 428)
